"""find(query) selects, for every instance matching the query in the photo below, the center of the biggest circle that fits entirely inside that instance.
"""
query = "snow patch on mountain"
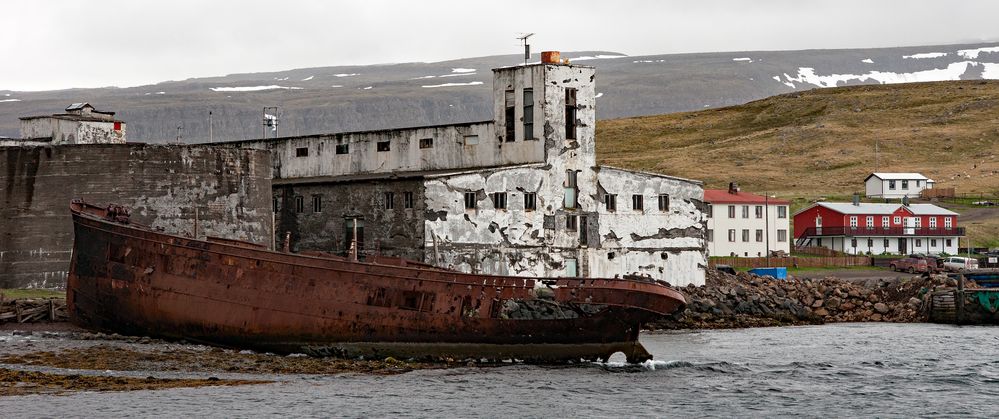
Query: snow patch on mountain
(10, 100)
(471, 83)
(458, 74)
(743, 59)
(308, 78)
(923, 55)
(867, 61)
(345, 75)
(597, 57)
(953, 71)
(991, 71)
(598, 95)
(972, 54)
(252, 88)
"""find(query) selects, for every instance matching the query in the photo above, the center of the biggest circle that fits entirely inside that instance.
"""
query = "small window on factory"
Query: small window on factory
(528, 114)
(510, 121)
(530, 201)
(384, 146)
(302, 152)
(277, 204)
(571, 189)
(610, 201)
(317, 203)
(471, 139)
(637, 202)
(343, 148)
(389, 200)
(663, 202)
(299, 204)
(407, 199)
(499, 200)
(426, 143)
(570, 222)
(470, 200)
(570, 114)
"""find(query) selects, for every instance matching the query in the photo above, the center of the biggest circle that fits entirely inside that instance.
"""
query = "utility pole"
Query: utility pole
(877, 157)
(766, 223)
(211, 136)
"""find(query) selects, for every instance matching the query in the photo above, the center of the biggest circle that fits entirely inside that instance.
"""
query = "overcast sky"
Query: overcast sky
(50, 44)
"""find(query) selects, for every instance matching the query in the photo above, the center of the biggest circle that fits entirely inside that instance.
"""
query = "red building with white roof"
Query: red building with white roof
(859, 228)
(745, 224)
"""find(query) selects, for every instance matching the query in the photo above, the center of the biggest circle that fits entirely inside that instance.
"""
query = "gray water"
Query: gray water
(847, 370)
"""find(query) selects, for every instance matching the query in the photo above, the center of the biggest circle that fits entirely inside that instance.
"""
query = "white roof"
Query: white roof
(873, 208)
(900, 176)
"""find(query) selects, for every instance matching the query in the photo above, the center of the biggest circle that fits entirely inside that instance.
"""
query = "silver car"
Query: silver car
(957, 263)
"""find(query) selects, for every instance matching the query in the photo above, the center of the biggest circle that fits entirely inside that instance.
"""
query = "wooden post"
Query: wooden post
(52, 315)
(959, 300)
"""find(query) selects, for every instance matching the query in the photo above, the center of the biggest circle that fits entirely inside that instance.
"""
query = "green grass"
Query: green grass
(11, 294)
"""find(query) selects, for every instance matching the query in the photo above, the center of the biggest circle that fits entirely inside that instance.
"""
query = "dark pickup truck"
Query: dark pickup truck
(916, 264)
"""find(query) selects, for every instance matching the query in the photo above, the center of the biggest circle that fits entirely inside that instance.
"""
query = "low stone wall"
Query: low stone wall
(229, 190)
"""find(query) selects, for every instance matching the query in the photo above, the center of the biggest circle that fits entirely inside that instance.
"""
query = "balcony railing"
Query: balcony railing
(881, 231)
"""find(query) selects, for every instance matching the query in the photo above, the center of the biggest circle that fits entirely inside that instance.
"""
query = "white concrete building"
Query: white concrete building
(896, 185)
(81, 124)
(745, 224)
(521, 194)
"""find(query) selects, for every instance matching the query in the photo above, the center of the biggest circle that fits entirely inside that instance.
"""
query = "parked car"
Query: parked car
(916, 263)
(957, 263)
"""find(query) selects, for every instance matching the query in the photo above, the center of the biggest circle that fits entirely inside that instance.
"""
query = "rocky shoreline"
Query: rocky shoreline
(746, 300)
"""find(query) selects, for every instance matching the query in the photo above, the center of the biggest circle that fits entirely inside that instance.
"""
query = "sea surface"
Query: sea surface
(844, 370)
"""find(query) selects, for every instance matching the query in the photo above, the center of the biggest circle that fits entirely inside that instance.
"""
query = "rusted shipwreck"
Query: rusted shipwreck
(131, 279)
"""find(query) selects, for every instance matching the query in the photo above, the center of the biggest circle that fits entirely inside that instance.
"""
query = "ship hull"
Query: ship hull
(135, 281)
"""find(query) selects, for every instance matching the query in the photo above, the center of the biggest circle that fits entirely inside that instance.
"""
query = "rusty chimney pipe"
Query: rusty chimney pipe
(551, 57)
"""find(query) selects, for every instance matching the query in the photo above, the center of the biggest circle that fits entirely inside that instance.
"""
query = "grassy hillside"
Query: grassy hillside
(820, 143)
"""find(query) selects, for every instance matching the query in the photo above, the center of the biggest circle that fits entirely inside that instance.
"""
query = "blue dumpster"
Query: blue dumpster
(779, 273)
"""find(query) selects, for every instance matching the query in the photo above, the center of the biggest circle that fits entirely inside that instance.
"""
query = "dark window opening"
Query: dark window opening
(349, 235)
(499, 200)
(510, 119)
(528, 114)
(277, 204)
(470, 200)
(417, 300)
(299, 204)
(389, 200)
(379, 297)
(610, 255)
(426, 142)
(407, 199)
(610, 200)
(637, 202)
(317, 203)
(570, 222)
(583, 237)
(530, 201)
(342, 148)
(570, 114)
(302, 152)
(383, 146)
(663, 202)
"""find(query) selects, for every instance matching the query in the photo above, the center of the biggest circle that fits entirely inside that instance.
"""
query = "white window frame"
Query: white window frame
(853, 221)
(948, 223)
(870, 222)
(885, 222)
(933, 222)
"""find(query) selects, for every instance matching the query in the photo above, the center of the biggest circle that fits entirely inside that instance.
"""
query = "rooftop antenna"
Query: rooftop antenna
(180, 133)
(527, 47)
(270, 120)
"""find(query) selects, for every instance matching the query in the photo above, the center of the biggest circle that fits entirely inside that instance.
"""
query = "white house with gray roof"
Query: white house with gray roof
(896, 185)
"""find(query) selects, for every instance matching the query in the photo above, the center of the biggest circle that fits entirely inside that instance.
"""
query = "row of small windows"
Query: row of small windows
(388, 202)
(499, 200)
(758, 211)
(637, 202)
(781, 235)
(887, 243)
(383, 146)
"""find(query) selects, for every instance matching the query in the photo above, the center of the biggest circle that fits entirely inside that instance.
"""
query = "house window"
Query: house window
(917, 222)
(470, 200)
(870, 243)
(759, 211)
(663, 202)
(610, 200)
(948, 223)
(570, 222)
(781, 235)
(570, 189)
(570, 114)
(759, 235)
(317, 203)
(898, 220)
(933, 242)
(887, 243)
(948, 242)
(299, 204)
(342, 148)
(891, 184)
(302, 152)
(731, 211)
(933, 222)
(510, 120)
(426, 143)
(528, 114)
(710, 210)
(407, 199)
(919, 242)
(870, 222)
(471, 139)
(885, 223)
(853, 221)
(853, 243)
(637, 203)
(389, 200)
(919, 183)
(384, 146)
(905, 184)
(530, 201)
(499, 200)
(731, 236)
(745, 211)
(711, 235)
(745, 235)
(781, 212)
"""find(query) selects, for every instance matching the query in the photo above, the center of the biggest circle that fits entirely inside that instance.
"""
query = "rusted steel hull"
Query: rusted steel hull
(132, 280)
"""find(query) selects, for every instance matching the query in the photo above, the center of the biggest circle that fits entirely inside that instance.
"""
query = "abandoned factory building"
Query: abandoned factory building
(518, 195)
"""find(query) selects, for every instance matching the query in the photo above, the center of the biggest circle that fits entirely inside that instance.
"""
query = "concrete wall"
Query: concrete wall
(230, 189)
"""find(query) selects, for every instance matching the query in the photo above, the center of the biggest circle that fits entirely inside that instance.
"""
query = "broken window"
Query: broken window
(583, 237)
(317, 203)
(570, 114)
(389, 200)
(528, 114)
(349, 234)
(510, 120)
(530, 201)
(570, 189)
(499, 200)
(470, 200)
(759, 235)
(299, 204)
(426, 142)
(637, 202)
(759, 211)
(302, 152)
(570, 222)
(471, 139)
(277, 206)
(384, 146)
(610, 201)
(417, 300)
(342, 148)
(407, 199)
(663, 202)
